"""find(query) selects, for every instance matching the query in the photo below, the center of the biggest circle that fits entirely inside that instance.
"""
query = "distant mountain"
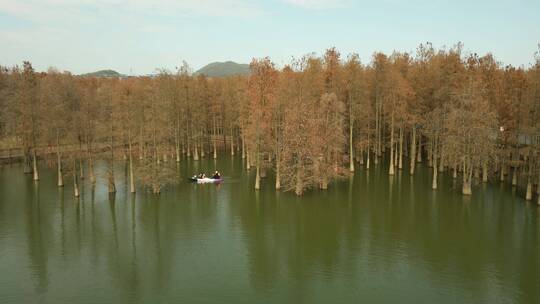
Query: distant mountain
(221, 69)
(104, 73)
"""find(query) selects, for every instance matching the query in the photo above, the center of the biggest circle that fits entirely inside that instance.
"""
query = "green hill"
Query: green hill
(221, 69)
(104, 73)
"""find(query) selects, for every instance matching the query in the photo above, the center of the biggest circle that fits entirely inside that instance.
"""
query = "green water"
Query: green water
(368, 239)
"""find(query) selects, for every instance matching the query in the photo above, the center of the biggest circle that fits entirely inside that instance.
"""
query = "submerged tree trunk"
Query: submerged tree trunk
(441, 160)
(232, 141)
(196, 151)
(59, 161)
(248, 160)
(484, 171)
(27, 160)
(400, 164)
(177, 139)
(538, 186)
(131, 178)
(367, 152)
(391, 168)
(351, 146)
(257, 176)
(278, 177)
(258, 168)
(75, 184)
(419, 150)
(111, 185)
(214, 139)
(528, 193)
(430, 153)
(502, 173)
(299, 186)
(413, 151)
(34, 164)
(81, 171)
(435, 170)
(467, 177)
(90, 161)
(141, 145)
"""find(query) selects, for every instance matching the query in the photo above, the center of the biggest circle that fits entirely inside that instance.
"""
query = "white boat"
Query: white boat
(206, 180)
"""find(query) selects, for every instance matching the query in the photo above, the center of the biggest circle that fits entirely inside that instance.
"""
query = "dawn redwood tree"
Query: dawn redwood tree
(54, 93)
(309, 122)
(262, 86)
(469, 137)
(354, 95)
(297, 160)
(89, 114)
(26, 110)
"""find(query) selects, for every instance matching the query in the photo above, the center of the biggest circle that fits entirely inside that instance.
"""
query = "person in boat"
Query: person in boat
(201, 175)
(216, 175)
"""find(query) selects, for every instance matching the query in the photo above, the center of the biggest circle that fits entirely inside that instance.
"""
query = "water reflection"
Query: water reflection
(370, 237)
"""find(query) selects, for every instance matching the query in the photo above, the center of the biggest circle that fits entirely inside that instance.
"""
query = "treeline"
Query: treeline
(310, 122)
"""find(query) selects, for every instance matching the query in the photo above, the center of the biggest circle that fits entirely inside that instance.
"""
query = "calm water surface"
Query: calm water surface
(370, 239)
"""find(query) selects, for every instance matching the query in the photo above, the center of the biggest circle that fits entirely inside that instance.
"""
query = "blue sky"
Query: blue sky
(142, 35)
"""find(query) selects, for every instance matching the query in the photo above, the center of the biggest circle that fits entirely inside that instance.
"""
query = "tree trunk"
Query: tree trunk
(419, 150)
(248, 161)
(90, 161)
(391, 168)
(413, 151)
(195, 151)
(434, 157)
(484, 172)
(257, 176)
(367, 153)
(34, 163)
(324, 182)
(538, 185)
(232, 141)
(400, 165)
(351, 147)
(111, 185)
(27, 160)
(514, 177)
(177, 140)
(377, 127)
(467, 177)
(75, 184)
(243, 148)
(59, 161)
(466, 189)
(528, 194)
(441, 160)
(81, 176)
(203, 153)
(278, 177)
(214, 139)
(299, 186)
(131, 179)
(430, 153)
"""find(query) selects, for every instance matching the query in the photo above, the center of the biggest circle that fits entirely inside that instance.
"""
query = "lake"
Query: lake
(367, 239)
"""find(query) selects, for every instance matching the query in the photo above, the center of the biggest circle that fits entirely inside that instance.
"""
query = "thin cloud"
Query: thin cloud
(318, 4)
(85, 10)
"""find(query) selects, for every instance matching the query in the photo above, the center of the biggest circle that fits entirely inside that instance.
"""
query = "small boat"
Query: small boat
(205, 180)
